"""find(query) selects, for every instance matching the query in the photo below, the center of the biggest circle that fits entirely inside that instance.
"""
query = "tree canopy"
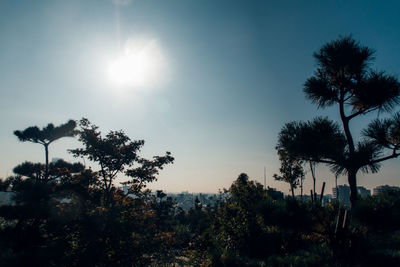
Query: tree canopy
(117, 154)
(79, 216)
(291, 171)
(344, 78)
(46, 136)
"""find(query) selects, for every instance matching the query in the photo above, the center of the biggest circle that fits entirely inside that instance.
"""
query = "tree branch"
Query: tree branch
(347, 98)
(321, 161)
(364, 111)
(394, 155)
(325, 161)
(355, 114)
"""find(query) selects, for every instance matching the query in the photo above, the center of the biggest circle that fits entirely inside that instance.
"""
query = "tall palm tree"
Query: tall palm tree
(344, 78)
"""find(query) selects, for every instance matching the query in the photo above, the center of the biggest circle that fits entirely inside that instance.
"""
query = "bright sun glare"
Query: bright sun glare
(139, 65)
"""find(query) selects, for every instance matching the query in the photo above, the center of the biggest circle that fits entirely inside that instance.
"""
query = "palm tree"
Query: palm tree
(344, 78)
(313, 142)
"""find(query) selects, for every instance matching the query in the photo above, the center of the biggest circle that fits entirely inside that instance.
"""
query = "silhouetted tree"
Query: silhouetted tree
(313, 142)
(343, 78)
(291, 131)
(77, 217)
(46, 136)
(291, 171)
(116, 154)
(56, 170)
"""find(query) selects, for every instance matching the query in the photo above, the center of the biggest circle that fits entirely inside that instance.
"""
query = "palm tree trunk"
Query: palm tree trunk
(312, 168)
(46, 150)
(337, 191)
(349, 138)
(292, 189)
(301, 187)
(353, 186)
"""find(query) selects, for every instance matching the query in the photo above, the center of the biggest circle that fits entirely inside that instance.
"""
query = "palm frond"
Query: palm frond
(394, 132)
(319, 92)
(377, 91)
(344, 56)
(378, 132)
(365, 154)
(384, 132)
(314, 140)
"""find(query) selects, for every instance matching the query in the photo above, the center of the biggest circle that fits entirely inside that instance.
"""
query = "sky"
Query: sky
(215, 80)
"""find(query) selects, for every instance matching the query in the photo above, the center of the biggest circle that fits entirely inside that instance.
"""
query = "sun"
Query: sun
(139, 65)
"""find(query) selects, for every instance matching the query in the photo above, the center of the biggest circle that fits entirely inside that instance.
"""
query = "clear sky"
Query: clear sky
(220, 77)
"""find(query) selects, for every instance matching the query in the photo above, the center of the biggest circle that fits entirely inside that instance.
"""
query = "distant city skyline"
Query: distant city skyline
(215, 82)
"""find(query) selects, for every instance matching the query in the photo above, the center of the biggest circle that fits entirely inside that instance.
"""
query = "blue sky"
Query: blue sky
(233, 75)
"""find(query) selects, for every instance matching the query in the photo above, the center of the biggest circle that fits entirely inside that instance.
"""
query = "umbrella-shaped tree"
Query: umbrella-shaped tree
(46, 136)
(344, 78)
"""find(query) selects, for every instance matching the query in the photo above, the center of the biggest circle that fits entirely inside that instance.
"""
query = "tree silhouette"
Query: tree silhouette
(291, 171)
(116, 154)
(56, 170)
(313, 141)
(344, 78)
(46, 136)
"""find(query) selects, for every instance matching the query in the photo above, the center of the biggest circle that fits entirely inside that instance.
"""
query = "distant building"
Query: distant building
(186, 200)
(363, 192)
(377, 190)
(342, 193)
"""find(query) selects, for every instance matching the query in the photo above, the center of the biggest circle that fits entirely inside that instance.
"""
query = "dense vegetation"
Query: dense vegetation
(67, 214)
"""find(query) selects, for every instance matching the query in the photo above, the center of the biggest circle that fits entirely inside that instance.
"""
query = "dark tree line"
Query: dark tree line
(63, 214)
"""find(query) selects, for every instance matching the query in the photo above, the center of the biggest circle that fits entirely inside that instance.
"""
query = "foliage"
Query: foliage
(66, 223)
(57, 170)
(46, 136)
(71, 216)
(291, 170)
(344, 78)
(115, 154)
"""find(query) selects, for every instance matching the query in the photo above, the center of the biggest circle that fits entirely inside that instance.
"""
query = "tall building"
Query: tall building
(342, 193)
(363, 192)
(377, 190)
